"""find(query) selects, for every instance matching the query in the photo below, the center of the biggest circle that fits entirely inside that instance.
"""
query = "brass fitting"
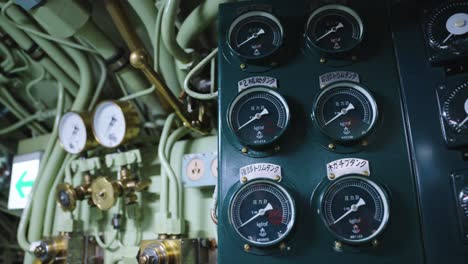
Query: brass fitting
(51, 249)
(106, 192)
(161, 252)
(67, 196)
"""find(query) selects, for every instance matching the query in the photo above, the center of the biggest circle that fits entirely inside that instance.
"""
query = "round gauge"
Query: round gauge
(255, 35)
(74, 134)
(258, 116)
(345, 111)
(334, 29)
(355, 209)
(455, 109)
(114, 123)
(447, 27)
(463, 198)
(262, 213)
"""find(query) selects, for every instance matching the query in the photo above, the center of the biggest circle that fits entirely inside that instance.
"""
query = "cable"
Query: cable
(197, 69)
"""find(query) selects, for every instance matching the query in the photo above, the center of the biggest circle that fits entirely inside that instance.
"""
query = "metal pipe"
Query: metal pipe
(169, 35)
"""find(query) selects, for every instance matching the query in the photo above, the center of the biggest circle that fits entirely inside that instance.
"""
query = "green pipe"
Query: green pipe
(58, 154)
(164, 197)
(54, 52)
(146, 11)
(18, 115)
(19, 36)
(98, 40)
(23, 113)
(21, 123)
(169, 35)
(8, 62)
(198, 21)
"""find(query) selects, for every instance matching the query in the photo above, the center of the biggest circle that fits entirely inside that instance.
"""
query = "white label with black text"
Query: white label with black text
(348, 166)
(260, 170)
(258, 81)
(338, 76)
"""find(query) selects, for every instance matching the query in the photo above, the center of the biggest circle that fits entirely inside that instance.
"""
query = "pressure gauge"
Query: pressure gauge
(345, 111)
(262, 213)
(334, 29)
(255, 35)
(74, 133)
(258, 116)
(115, 123)
(453, 105)
(355, 209)
(447, 28)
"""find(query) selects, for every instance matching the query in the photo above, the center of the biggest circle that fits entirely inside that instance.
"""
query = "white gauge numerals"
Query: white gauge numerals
(72, 133)
(109, 124)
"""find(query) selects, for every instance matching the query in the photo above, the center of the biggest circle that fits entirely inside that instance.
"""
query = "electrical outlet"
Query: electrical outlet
(200, 169)
(195, 169)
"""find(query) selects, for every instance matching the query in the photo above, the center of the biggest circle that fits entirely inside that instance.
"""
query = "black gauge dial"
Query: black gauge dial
(447, 27)
(455, 109)
(463, 198)
(334, 29)
(355, 209)
(255, 35)
(258, 116)
(345, 112)
(262, 213)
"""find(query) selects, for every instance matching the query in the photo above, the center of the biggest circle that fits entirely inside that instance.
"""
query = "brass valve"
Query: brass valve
(106, 192)
(67, 196)
(161, 252)
(51, 249)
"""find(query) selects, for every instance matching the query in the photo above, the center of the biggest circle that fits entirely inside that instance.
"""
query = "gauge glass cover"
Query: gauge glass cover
(73, 134)
(255, 35)
(355, 209)
(258, 116)
(262, 213)
(447, 27)
(109, 124)
(455, 109)
(345, 112)
(334, 29)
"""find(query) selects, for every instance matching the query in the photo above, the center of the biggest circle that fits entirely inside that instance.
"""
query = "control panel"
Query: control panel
(314, 159)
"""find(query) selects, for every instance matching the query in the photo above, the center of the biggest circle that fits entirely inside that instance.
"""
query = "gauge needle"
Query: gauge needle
(333, 29)
(353, 208)
(344, 111)
(254, 36)
(111, 124)
(261, 212)
(445, 40)
(256, 117)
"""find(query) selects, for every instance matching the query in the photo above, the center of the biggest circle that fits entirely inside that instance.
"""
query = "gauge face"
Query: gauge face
(262, 213)
(109, 124)
(73, 134)
(447, 27)
(258, 116)
(455, 109)
(355, 209)
(345, 112)
(334, 29)
(255, 35)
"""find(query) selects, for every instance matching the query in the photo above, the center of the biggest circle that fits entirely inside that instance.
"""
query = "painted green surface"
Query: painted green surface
(303, 156)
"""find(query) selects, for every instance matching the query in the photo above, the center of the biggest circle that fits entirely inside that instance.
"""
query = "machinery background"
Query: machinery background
(223, 131)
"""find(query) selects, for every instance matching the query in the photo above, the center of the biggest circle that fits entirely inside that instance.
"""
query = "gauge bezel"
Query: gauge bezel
(361, 89)
(90, 139)
(289, 198)
(248, 15)
(383, 196)
(333, 7)
(131, 126)
(245, 93)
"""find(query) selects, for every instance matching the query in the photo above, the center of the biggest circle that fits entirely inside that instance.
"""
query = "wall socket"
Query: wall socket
(200, 169)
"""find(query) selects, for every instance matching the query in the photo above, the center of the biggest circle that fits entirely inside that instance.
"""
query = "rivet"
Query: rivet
(244, 150)
(247, 247)
(277, 178)
(283, 246)
(364, 143)
(244, 179)
(332, 176)
(354, 58)
(243, 66)
(277, 148)
(375, 242)
(338, 245)
(323, 60)
(331, 146)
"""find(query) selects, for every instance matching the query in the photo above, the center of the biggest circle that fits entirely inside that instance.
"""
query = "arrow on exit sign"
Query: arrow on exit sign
(20, 184)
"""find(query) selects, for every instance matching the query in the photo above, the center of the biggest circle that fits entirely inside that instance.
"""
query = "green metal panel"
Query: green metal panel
(303, 156)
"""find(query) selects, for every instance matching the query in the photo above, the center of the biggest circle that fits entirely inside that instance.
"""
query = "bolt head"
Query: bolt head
(244, 179)
(247, 247)
(244, 150)
(243, 66)
(323, 60)
(331, 146)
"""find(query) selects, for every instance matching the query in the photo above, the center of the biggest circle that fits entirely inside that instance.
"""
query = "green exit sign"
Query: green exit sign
(23, 174)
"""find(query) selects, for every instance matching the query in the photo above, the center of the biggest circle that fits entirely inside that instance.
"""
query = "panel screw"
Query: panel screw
(331, 146)
(244, 150)
(243, 66)
(332, 176)
(247, 247)
(282, 246)
(338, 245)
(375, 243)
(244, 179)
(364, 143)
(277, 178)
(274, 64)
(441, 87)
(277, 148)
(323, 60)
(366, 173)
(354, 58)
